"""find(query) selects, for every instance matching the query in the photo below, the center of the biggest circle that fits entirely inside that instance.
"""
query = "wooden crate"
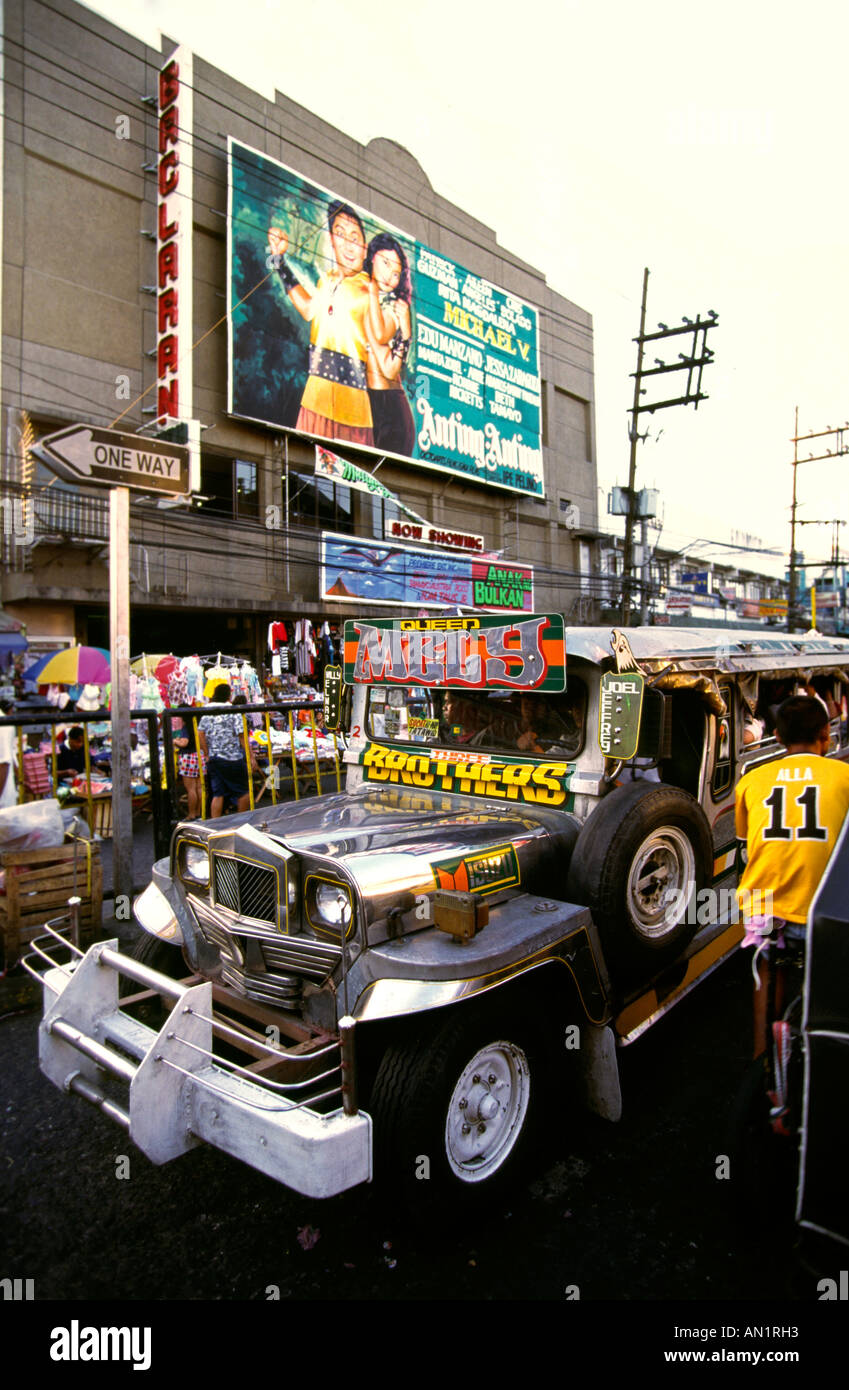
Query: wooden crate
(38, 884)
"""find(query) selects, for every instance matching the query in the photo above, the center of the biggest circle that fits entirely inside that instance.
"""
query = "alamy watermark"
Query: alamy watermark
(77, 1343)
(708, 905)
(18, 520)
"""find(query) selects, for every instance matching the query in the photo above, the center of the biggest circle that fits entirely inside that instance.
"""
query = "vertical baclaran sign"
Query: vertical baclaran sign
(174, 239)
(446, 376)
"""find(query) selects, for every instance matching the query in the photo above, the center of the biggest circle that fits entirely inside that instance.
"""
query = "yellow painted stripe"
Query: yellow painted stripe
(640, 1009)
(724, 861)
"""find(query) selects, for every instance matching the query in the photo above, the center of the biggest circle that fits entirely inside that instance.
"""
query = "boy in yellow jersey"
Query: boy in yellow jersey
(790, 813)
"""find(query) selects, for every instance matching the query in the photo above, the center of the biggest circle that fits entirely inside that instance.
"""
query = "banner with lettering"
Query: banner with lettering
(467, 653)
(346, 328)
(401, 576)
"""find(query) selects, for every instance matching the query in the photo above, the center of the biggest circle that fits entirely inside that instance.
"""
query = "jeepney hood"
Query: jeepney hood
(399, 845)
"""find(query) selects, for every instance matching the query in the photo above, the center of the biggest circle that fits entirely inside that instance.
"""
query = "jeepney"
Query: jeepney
(532, 861)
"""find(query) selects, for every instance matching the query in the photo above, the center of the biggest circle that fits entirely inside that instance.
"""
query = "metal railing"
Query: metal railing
(287, 775)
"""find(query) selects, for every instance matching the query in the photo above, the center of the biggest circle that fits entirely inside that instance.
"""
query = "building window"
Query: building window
(320, 503)
(230, 487)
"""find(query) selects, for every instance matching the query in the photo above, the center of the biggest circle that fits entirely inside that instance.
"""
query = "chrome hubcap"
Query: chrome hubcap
(486, 1111)
(661, 881)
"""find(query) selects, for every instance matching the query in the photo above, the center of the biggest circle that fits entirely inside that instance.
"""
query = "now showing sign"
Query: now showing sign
(84, 454)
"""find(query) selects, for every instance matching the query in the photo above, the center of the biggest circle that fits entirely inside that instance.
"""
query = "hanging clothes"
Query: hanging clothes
(305, 648)
(192, 670)
(150, 696)
(177, 692)
(215, 675)
(277, 636)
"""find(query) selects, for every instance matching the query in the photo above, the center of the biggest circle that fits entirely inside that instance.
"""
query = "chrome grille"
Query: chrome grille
(285, 991)
(248, 889)
(282, 955)
(306, 957)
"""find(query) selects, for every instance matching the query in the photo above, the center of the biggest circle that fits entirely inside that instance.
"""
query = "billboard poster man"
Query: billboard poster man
(344, 328)
(360, 330)
(330, 334)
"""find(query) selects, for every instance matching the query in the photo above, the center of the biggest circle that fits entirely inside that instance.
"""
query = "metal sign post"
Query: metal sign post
(119, 646)
(89, 455)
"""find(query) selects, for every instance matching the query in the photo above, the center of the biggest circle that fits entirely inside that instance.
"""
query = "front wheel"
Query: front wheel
(458, 1106)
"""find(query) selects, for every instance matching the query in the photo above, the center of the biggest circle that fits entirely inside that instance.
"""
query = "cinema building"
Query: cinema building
(386, 410)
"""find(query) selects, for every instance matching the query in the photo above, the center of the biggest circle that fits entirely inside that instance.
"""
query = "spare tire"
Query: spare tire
(638, 863)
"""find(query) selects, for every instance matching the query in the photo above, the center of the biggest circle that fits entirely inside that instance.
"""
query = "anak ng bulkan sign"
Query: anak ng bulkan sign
(460, 388)
(401, 576)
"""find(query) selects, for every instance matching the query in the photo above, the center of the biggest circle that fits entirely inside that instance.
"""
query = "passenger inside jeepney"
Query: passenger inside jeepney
(458, 719)
(549, 726)
(506, 721)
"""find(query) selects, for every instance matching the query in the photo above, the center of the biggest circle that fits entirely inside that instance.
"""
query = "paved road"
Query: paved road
(627, 1212)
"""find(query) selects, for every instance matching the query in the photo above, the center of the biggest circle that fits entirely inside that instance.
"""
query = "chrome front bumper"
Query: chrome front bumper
(181, 1094)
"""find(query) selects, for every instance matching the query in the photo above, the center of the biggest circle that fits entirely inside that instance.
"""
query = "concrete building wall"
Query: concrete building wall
(78, 322)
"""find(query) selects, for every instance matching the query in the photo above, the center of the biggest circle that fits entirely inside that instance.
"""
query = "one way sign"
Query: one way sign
(84, 454)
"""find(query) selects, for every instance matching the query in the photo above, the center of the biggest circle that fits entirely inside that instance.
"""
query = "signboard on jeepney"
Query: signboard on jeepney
(468, 653)
(332, 696)
(619, 710)
(439, 367)
(402, 576)
(538, 783)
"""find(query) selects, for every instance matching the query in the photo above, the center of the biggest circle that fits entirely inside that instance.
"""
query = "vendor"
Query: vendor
(70, 760)
(8, 758)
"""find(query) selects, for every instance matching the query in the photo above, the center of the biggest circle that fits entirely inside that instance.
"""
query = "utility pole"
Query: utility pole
(841, 447)
(693, 363)
(832, 564)
(628, 557)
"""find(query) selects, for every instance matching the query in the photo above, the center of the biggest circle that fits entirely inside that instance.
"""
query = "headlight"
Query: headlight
(194, 864)
(333, 904)
(154, 912)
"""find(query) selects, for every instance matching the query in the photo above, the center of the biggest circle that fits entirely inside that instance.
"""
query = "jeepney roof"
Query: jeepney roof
(717, 649)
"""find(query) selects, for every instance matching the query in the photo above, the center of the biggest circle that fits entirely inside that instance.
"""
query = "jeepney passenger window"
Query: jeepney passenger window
(526, 724)
(405, 713)
(529, 723)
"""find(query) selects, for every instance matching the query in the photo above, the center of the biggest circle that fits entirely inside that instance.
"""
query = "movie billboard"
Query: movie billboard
(344, 328)
(400, 576)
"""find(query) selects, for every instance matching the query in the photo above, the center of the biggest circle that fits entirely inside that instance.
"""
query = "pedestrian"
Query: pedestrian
(222, 741)
(190, 762)
(8, 759)
(70, 760)
(789, 813)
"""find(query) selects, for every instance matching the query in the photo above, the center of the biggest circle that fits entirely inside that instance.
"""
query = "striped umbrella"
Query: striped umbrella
(71, 666)
(159, 664)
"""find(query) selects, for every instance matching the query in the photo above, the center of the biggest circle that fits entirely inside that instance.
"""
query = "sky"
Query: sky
(705, 143)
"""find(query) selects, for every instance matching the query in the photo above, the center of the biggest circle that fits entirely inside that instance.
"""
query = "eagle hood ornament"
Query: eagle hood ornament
(621, 649)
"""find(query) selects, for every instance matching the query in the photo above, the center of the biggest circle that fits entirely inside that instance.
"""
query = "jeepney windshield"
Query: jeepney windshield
(529, 723)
